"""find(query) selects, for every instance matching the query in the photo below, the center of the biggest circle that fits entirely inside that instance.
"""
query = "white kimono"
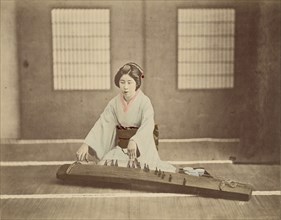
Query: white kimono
(137, 113)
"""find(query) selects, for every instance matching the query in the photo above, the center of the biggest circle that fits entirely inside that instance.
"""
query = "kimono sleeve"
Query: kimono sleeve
(144, 136)
(101, 137)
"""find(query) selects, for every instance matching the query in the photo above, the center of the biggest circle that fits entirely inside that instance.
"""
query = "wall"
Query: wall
(189, 113)
(49, 114)
(260, 131)
(149, 39)
(10, 117)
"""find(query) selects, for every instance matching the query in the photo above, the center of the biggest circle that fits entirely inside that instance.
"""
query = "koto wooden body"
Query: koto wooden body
(156, 181)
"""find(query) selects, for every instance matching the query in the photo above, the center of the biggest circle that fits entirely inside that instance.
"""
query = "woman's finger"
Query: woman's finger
(84, 156)
(132, 155)
(81, 158)
(77, 156)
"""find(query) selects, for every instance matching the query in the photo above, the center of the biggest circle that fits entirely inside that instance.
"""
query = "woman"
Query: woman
(129, 109)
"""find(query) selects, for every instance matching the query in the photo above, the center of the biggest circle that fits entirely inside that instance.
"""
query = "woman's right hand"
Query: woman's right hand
(83, 153)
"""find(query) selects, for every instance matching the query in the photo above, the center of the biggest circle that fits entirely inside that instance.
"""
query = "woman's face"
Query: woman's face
(127, 86)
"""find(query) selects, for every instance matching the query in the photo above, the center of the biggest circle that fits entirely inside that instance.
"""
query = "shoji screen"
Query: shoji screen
(81, 49)
(206, 48)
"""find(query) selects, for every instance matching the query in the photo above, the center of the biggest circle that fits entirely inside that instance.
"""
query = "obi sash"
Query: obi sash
(125, 133)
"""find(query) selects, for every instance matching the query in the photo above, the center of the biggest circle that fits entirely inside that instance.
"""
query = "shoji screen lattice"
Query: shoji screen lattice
(81, 49)
(206, 48)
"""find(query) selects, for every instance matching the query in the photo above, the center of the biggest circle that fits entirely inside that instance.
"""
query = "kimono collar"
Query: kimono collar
(126, 105)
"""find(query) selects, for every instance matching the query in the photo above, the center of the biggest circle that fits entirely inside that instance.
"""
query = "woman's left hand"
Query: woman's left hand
(132, 150)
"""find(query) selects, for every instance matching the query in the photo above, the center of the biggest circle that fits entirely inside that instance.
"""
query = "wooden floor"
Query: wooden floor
(33, 192)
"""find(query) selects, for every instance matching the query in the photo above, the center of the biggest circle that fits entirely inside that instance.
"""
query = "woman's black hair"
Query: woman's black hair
(133, 70)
